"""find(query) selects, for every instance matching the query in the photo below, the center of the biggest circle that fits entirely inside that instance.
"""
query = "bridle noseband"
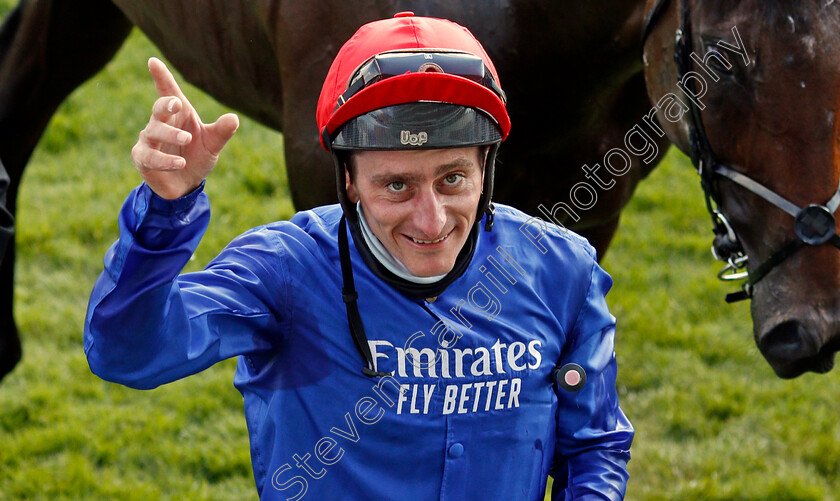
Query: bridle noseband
(813, 224)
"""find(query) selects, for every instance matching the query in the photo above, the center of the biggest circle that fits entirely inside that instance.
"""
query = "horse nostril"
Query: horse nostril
(787, 342)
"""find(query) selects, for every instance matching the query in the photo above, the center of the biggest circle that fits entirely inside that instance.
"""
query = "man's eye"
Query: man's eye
(452, 178)
(396, 186)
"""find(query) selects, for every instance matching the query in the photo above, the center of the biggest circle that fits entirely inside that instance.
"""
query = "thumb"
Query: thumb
(220, 132)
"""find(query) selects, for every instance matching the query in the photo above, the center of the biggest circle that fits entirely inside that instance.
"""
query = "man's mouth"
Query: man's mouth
(427, 242)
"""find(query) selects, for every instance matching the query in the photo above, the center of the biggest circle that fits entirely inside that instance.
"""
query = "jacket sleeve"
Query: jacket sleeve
(593, 434)
(146, 325)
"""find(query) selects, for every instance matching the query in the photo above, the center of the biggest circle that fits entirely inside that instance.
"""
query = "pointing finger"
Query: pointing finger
(165, 83)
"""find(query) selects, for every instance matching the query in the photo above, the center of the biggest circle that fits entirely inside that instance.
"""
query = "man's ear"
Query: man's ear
(352, 194)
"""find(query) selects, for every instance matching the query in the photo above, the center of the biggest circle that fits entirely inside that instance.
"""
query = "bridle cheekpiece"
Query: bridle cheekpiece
(814, 224)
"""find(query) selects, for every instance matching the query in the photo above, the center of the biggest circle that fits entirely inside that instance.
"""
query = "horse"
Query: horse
(760, 125)
(586, 132)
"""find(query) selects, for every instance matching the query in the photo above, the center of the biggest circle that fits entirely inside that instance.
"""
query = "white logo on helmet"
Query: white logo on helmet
(406, 137)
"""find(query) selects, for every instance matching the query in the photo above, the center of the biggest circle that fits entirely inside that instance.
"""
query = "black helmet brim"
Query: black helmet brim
(418, 125)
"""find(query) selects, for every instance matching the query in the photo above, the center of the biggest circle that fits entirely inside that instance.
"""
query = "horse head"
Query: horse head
(751, 90)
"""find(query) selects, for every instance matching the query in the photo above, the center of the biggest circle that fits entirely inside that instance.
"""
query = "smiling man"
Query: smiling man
(420, 205)
(414, 341)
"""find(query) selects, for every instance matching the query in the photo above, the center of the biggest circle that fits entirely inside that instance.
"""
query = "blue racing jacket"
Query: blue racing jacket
(469, 411)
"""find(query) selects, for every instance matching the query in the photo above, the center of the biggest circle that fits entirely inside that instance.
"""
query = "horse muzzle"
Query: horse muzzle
(793, 347)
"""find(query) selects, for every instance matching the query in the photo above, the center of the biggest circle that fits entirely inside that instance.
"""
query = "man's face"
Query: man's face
(421, 204)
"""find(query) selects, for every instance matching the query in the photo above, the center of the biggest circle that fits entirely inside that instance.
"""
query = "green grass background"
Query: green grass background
(712, 420)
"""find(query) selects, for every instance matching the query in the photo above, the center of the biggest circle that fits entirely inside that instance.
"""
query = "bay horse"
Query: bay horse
(760, 125)
(572, 71)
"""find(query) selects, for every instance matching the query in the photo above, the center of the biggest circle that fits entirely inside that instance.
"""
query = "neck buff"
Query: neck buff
(385, 258)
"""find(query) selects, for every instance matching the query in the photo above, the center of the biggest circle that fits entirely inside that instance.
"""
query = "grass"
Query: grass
(712, 420)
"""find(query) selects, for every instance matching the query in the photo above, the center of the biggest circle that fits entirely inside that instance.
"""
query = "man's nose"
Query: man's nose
(430, 214)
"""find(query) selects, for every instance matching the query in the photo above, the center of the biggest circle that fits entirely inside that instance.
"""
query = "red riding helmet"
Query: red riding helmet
(411, 82)
(405, 83)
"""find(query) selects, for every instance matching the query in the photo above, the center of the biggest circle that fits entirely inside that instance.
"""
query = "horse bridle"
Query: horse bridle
(813, 224)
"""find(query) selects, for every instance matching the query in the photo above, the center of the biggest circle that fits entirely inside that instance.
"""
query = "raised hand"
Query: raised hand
(176, 151)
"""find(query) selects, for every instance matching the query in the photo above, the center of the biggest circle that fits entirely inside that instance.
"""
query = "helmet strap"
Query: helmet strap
(485, 203)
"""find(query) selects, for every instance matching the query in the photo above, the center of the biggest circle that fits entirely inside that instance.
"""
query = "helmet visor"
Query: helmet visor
(390, 64)
(423, 125)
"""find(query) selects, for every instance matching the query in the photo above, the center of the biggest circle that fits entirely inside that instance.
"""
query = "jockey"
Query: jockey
(414, 341)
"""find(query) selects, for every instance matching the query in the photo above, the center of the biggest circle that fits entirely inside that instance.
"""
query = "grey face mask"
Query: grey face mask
(385, 258)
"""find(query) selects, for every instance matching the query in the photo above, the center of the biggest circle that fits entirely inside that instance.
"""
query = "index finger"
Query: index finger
(165, 83)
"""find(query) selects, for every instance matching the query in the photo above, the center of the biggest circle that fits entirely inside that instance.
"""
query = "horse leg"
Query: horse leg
(304, 61)
(10, 351)
(47, 49)
(600, 236)
(7, 222)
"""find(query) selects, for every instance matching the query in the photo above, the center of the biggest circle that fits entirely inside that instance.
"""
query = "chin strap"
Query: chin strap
(349, 295)
(491, 214)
